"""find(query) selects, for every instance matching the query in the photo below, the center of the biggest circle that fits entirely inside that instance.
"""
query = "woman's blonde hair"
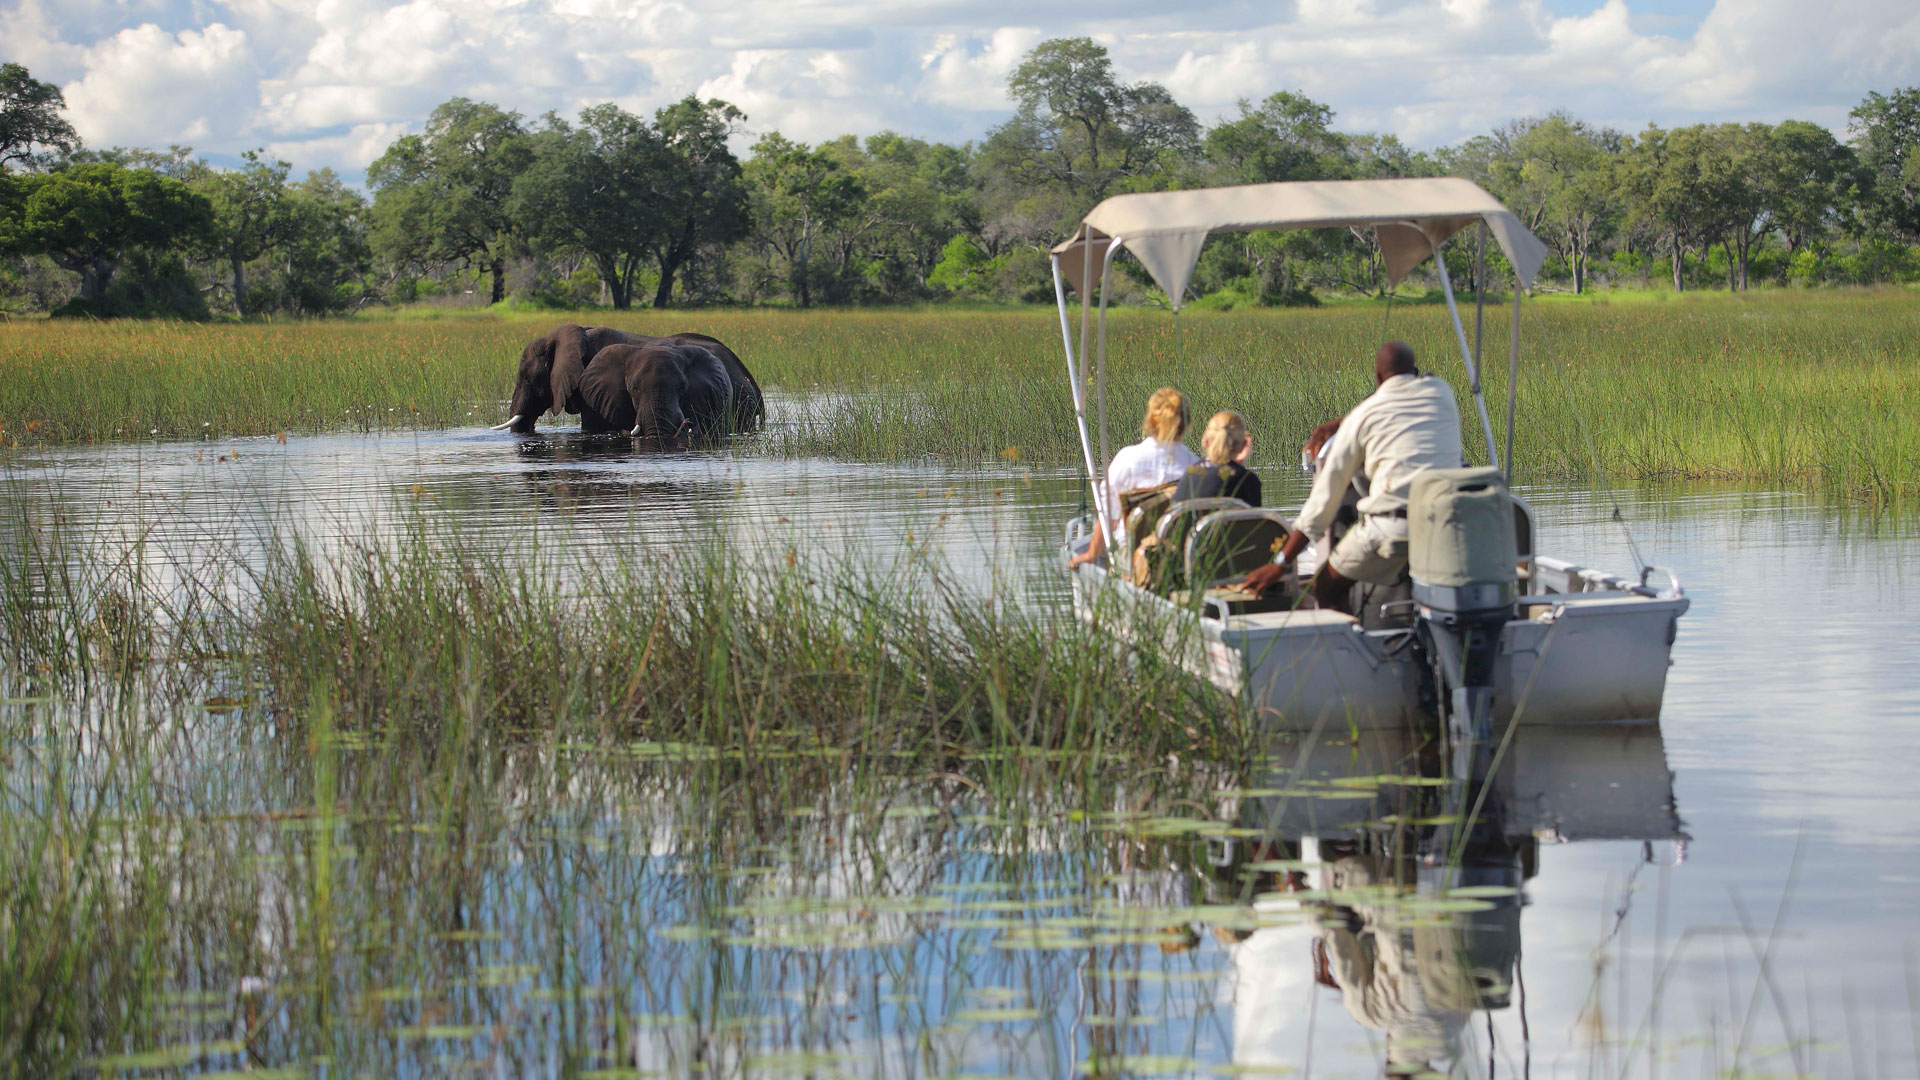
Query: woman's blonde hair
(1166, 415)
(1226, 433)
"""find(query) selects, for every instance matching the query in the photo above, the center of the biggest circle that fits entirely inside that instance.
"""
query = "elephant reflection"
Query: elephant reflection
(580, 474)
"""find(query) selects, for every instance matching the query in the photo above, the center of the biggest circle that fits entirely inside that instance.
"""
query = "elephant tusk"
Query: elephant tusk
(512, 420)
(635, 431)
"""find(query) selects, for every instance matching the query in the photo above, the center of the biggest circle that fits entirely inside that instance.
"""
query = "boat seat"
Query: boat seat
(1229, 543)
(1141, 509)
(1303, 619)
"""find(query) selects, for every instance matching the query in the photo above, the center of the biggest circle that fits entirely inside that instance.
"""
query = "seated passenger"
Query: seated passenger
(1158, 459)
(1224, 474)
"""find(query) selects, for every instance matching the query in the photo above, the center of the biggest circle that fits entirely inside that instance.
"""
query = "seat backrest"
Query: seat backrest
(1231, 542)
(1141, 509)
(1179, 518)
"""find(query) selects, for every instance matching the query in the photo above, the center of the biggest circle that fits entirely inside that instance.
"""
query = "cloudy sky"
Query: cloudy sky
(331, 82)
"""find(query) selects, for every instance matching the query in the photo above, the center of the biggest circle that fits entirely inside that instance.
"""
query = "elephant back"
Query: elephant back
(749, 405)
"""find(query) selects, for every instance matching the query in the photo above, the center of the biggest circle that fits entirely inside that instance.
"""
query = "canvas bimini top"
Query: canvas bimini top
(1412, 218)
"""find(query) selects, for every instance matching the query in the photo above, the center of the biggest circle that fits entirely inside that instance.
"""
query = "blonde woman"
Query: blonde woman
(1227, 446)
(1158, 459)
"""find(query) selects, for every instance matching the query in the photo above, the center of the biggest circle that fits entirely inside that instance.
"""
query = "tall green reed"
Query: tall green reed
(1805, 391)
(273, 829)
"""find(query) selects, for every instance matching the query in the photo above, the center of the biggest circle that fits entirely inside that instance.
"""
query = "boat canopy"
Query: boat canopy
(1411, 218)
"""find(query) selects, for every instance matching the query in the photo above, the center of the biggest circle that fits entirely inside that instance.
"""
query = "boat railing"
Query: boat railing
(1562, 576)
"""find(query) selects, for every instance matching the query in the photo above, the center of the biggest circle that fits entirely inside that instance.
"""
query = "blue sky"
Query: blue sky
(331, 82)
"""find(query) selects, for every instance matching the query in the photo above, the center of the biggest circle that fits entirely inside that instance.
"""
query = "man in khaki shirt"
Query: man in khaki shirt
(1409, 423)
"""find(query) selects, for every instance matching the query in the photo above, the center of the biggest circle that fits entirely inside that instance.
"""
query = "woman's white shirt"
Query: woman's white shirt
(1147, 463)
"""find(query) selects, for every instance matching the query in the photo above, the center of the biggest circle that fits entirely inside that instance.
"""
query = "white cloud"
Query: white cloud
(1240, 69)
(807, 96)
(144, 86)
(319, 77)
(352, 151)
(970, 72)
(34, 40)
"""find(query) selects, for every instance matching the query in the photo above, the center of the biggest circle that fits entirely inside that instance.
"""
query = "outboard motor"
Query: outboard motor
(1462, 556)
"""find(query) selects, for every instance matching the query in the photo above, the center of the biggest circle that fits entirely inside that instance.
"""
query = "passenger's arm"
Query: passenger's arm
(1095, 547)
(1107, 500)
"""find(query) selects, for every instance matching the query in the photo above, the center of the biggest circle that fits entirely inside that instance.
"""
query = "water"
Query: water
(1736, 887)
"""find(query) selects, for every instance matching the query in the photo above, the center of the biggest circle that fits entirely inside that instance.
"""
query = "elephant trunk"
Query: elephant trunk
(664, 428)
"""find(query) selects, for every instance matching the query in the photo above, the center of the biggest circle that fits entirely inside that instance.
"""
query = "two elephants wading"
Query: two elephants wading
(664, 389)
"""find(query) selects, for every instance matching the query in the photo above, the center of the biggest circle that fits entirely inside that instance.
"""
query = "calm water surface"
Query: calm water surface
(1735, 887)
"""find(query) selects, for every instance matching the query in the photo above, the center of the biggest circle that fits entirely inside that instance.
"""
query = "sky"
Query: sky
(332, 82)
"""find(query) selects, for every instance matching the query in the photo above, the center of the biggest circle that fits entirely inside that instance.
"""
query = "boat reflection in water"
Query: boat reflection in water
(1366, 875)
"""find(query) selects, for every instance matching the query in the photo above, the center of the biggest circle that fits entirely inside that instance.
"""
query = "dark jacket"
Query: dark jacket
(1232, 480)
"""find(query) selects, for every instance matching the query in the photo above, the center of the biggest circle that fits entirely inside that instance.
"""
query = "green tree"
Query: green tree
(702, 193)
(1288, 136)
(87, 218)
(324, 255)
(443, 194)
(30, 117)
(919, 196)
(252, 216)
(1569, 173)
(1080, 128)
(595, 189)
(1885, 129)
(1673, 179)
(1808, 177)
(916, 196)
(798, 194)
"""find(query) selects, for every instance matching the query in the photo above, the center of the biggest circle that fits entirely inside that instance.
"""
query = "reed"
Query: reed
(263, 814)
(1808, 391)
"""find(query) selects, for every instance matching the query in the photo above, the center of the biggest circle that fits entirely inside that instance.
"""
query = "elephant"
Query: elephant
(690, 380)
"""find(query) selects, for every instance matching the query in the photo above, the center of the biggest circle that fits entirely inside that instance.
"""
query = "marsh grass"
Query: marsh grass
(391, 804)
(1805, 391)
(701, 643)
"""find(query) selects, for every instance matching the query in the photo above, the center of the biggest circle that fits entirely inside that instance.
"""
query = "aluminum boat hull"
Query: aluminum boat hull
(1588, 647)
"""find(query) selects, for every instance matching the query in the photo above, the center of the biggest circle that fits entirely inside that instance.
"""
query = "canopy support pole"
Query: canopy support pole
(1466, 354)
(1100, 368)
(1075, 384)
(1480, 298)
(1513, 374)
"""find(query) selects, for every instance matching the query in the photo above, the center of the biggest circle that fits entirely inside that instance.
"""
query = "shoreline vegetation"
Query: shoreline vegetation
(1808, 391)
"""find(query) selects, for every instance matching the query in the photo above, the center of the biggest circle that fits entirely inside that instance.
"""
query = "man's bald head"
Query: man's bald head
(1394, 358)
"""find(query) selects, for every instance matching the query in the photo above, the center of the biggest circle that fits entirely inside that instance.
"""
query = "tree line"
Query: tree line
(616, 208)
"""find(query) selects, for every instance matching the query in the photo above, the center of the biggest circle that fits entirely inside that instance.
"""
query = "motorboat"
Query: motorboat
(1517, 637)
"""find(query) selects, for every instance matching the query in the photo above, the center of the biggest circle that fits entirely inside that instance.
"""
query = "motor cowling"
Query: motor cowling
(1461, 551)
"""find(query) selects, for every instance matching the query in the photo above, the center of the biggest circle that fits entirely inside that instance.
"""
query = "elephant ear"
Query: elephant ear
(569, 365)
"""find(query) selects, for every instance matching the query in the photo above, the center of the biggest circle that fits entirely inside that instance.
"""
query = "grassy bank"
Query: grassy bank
(1810, 391)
